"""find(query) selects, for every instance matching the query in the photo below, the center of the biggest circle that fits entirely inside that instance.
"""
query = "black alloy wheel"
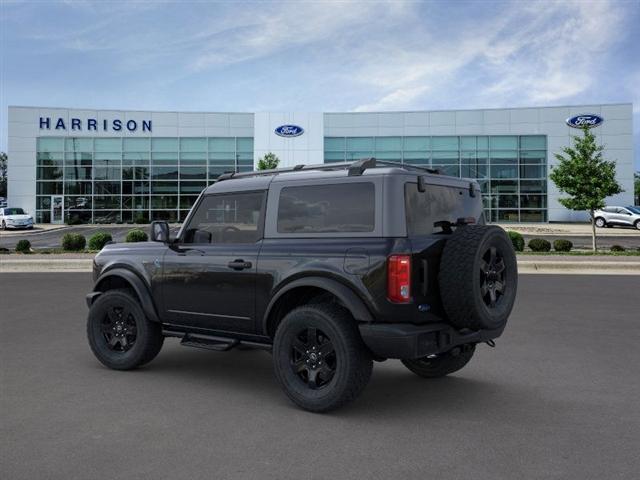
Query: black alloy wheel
(313, 357)
(492, 281)
(119, 333)
(319, 357)
(119, 329)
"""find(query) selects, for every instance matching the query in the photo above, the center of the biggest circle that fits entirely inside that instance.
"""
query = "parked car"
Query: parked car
(15, 218)
(620, 216)
(328, 267)
(3, 202)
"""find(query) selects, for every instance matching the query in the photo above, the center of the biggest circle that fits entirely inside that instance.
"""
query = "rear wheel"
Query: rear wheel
(442, 364)
(478, 277)
(119, 333)
(319, 357)
(600, 223)
(637, 224)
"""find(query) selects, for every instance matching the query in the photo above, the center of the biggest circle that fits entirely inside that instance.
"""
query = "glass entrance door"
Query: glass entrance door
(57, 209)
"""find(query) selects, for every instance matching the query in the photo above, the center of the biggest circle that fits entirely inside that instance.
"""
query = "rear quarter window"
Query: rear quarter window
(338, 208)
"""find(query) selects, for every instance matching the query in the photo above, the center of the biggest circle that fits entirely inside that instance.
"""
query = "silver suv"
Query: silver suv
(623, 216)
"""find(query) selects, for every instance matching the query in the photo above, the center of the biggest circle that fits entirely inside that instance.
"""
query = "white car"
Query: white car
(622, 216)
(15, 218)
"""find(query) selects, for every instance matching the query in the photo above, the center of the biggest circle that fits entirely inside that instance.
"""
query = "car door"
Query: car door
(623, 216)
(209, 273)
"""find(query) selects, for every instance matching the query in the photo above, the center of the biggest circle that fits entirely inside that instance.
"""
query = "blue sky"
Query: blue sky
(318, 56)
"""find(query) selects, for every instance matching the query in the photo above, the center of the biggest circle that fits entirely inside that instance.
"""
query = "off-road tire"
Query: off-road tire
(352, 361)
(442, 364)
(148, 337)
(469, 286)
(600, 222)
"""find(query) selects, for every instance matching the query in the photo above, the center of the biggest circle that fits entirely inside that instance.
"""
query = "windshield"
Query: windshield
(634, 210)
(13, 211)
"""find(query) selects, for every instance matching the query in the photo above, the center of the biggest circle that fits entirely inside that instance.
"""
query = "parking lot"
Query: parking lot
(557, 398)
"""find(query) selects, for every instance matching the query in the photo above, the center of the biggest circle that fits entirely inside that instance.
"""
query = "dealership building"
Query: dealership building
(122, 166)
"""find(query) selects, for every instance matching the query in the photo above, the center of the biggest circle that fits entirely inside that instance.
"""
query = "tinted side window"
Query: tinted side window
(338, 208)
(231, 218)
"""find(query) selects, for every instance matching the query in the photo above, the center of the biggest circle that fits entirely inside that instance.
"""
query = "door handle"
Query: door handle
(239, 264)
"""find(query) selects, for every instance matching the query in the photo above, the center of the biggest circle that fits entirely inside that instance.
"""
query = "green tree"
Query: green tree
(3, 174)
(270, 161)
(636, 188)
(585, 177)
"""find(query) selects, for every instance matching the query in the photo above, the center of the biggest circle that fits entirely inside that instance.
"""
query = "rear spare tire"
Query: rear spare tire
(478, 277)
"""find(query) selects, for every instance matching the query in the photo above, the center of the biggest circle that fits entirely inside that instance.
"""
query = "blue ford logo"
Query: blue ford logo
(587, 120)
(289, 131)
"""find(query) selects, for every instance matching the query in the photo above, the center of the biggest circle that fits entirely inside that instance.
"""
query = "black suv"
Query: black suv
(329, 267)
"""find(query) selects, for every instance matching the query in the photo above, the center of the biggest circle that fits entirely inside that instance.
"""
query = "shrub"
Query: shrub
(539, 245)
(136, 235)
(99, 240)
(617, 248)
(23, 246)
(517, 240)
(73, 242)
(562, 245)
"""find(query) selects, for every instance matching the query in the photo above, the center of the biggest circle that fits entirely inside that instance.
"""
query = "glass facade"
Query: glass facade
(109, 180)
(511, 169)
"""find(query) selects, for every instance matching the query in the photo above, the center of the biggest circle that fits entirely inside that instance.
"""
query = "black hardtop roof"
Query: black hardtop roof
(261, 179)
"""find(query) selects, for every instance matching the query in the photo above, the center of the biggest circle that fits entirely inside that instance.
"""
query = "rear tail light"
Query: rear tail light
(399, 278)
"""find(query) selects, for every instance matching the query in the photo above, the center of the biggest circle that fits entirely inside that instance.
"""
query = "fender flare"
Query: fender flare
(345, 294)
(136, 283)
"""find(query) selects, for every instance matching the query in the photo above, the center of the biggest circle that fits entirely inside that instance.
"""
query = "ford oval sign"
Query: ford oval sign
(289, 131)
(587, 120)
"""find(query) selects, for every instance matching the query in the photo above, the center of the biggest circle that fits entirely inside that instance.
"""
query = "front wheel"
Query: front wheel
(119, 333)
(600, 223)
(443, 364)
(4, 225)
(319, 357)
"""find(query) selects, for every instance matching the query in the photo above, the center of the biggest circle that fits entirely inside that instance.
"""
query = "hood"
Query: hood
(18, 217)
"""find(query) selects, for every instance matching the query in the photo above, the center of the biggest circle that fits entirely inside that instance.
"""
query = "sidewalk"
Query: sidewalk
(527, 264)
(567, 229)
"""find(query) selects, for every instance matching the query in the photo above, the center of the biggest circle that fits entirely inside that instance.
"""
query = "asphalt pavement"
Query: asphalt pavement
(558, 398)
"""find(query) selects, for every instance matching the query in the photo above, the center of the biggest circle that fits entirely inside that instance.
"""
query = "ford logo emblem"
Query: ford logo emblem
(289, 131)
(587, 120)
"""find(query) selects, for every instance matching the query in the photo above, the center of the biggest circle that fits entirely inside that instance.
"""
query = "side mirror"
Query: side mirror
(160, 231)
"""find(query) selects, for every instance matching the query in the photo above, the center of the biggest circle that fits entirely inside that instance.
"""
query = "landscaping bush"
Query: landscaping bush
(517, 240)
(617, 248)
(73, 242)
(136, 235)
(539, 245)
(562, 245)
(99, 240)
(23, 246)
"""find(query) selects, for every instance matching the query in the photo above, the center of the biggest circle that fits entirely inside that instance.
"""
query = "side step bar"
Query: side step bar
(211, 342)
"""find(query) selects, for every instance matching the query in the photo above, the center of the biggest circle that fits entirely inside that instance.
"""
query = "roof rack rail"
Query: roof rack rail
(354, 168)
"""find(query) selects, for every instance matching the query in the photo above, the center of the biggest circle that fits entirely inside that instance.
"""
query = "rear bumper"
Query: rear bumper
(408, 341)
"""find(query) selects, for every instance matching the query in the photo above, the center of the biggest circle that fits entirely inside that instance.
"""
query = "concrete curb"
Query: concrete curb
(525, 266)
(579, 267)
(27, 265)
